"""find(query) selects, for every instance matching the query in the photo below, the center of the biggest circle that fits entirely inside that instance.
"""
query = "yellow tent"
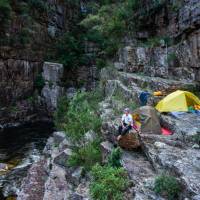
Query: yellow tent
(178, 101)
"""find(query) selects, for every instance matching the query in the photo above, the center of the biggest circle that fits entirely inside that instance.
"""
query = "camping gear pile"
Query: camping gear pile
(147, 120)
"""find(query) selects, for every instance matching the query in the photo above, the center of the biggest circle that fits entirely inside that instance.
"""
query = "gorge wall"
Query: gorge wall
(167, 41)
(29, 31)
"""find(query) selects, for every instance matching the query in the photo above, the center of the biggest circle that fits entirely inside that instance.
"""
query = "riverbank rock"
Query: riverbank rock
(33, 185)
(3, 167)
(56, 186)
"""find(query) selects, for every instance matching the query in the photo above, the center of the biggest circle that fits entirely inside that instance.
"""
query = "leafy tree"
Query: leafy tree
(5, 12)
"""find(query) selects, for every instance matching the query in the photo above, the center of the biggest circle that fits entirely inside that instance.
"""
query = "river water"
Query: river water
(19, 148)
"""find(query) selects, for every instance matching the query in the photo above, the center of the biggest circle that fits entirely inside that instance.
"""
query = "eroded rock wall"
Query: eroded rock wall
(26, 38)
(169, 41)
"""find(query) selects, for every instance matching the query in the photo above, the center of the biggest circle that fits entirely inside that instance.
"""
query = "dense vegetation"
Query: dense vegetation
(79, 115)
(76, 117)
(108, 183)
(26, 12)
(109, 23)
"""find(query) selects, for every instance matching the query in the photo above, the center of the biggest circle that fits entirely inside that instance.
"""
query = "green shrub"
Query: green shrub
(31, 99)
(23, 9)
(108, 183)
(86, 156)
(68, 51)
(153, 42)
(176, 5)
(171, 57)
(39, 82)
(167, 186)
(39, 5)
(114, 158)
(110, 24)
(80, 118)
(101, 63)
(60, 114)
(196, 138)
(24, 36)
(5, 12)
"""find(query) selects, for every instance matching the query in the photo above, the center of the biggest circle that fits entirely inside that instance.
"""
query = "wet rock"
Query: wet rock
(33, 185)
(11, 181)
(3, 167)
(62, 158)
(49, 146)
(23, 72)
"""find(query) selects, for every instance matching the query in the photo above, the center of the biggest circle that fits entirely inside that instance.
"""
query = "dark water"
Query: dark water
(16, 143)
(19, 148)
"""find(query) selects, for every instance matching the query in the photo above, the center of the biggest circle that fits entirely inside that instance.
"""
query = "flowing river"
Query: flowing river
(19, 148)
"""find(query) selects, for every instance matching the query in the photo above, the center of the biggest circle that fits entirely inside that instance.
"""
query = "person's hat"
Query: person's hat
(126, 110)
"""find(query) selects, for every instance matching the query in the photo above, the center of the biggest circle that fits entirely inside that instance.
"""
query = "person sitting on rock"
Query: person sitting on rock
(126, 123)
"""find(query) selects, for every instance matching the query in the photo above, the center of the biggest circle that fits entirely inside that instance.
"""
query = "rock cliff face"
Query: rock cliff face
(52, 91)
(22, 55)
(172, 33)
(32, 27)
